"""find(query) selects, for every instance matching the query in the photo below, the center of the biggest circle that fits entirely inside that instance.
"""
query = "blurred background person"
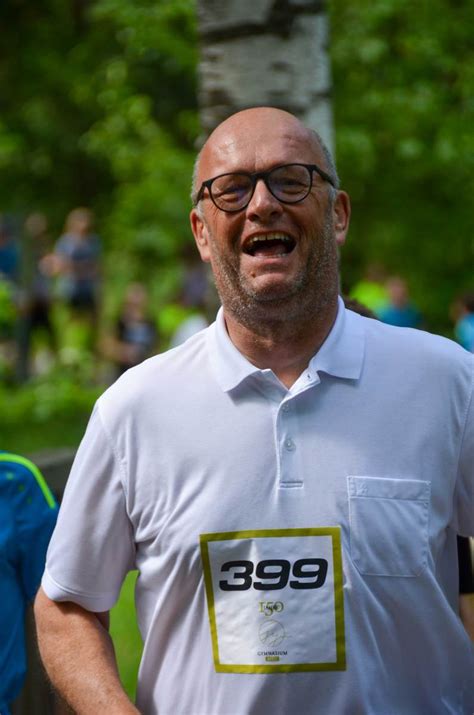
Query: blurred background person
(371, 290)
(399, 310)
(463, 315)
(135, 335)
(9, 252)
(194, 302)
(36, 334)
(189, 326)
(9, 275)
(77, 262)
(28, 514)
(358, 307)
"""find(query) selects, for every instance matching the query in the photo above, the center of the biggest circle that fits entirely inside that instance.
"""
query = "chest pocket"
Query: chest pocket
(388, 525)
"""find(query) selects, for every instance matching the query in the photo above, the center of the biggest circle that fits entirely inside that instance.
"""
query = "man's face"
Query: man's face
(271, 261)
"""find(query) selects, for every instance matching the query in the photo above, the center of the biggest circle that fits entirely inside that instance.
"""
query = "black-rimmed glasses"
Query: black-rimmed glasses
(289, 183)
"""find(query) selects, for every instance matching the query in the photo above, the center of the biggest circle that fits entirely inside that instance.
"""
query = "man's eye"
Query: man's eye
(289, 184)
(230, 192)
(290, 181)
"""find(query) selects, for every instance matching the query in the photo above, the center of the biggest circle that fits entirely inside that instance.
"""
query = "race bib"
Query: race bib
(275, 600)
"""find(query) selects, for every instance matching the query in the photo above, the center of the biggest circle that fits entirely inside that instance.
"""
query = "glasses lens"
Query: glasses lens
(231, 191)
(290, 183)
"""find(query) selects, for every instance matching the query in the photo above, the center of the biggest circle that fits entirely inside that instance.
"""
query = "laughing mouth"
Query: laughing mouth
(269, 245)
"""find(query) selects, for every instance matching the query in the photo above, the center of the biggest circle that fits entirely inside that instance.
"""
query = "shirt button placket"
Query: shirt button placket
(286, 426)
(290, 446)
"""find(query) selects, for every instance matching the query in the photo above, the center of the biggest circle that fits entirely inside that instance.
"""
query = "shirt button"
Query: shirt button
(290, 445)
(286, 407)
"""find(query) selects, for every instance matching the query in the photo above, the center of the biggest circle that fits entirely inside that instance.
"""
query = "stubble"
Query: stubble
(288, 308)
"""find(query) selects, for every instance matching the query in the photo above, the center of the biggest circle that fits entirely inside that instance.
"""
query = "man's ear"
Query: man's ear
(200, 234)
(341, 216)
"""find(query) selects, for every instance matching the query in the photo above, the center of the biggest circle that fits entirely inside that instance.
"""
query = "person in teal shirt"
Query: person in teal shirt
(28, 514)
(464, 328)
(399, 310)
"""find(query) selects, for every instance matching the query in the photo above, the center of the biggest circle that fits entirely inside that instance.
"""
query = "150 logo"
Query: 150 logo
(273, 574)
(270, 607)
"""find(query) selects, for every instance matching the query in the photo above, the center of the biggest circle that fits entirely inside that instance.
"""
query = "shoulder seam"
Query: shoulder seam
(113, 447)
(121, 467)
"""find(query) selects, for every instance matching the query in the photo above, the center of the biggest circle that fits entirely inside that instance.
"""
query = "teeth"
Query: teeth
(270, 237)
(253, 244)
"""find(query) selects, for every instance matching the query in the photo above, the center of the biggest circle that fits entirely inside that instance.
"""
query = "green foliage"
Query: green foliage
(47, 59)
(126, 636)
(7, 309)
(57, 394)
(146, 132)
(99, 107)
(404, 111)
(51, 411)
(102, 112)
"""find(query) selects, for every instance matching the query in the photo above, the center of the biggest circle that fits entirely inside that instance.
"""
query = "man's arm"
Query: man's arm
(79, 657)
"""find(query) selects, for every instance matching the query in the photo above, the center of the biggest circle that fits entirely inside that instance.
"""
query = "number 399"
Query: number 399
(274, 574)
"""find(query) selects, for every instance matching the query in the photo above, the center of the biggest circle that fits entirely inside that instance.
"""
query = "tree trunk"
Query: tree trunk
(265, 53)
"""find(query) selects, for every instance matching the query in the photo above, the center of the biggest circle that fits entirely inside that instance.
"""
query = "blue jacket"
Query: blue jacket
(28, 514)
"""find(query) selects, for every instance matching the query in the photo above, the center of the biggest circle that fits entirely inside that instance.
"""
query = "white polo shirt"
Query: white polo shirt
(296, 548)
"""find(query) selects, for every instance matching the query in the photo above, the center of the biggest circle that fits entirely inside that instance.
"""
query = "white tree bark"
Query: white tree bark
(265, 53)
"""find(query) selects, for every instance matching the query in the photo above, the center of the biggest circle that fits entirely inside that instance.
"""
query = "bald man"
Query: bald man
(289, 483)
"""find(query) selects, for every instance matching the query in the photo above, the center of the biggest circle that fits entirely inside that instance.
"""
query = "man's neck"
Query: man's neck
(286, 348)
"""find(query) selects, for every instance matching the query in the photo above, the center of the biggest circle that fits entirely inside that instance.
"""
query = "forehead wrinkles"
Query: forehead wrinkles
(257, 151)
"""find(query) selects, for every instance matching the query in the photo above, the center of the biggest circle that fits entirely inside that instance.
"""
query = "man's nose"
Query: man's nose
(263, 205)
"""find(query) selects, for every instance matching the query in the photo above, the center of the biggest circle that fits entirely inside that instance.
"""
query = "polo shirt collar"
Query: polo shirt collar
(230, 366)
(341, 354)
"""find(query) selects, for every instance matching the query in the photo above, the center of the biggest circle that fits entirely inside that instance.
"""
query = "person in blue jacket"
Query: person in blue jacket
(28, 514)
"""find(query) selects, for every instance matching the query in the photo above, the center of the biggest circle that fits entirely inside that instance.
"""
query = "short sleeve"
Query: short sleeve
(92, 547)
(464, 498)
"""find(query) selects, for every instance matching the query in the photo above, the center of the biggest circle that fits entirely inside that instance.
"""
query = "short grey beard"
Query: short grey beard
(302, 303)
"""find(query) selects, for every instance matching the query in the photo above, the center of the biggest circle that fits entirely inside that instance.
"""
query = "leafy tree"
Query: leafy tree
(101, 111)
(403, 102)
(146, 133)
(99, 107)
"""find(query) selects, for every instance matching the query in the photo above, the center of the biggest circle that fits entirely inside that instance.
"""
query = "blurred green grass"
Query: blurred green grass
(30, 438)
(126, 636)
